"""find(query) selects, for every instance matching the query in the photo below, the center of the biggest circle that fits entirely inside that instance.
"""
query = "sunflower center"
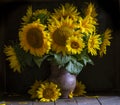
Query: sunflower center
(35, 37)
(48, 93)
(74, 45)
(61, 34)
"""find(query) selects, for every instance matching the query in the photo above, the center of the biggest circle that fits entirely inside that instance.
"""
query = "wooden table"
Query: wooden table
(86, 100)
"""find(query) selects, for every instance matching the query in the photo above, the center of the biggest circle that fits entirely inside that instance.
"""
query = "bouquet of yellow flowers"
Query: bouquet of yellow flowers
(66, 37)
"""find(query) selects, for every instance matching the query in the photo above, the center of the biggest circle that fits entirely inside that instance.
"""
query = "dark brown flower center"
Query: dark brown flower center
(61, 34)
(48, 93)
(35, 37)
(74, 45)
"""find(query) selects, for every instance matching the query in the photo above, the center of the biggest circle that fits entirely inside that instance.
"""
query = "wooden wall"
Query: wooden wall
(103, 76)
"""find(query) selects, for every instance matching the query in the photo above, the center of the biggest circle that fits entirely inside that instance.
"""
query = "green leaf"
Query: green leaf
(24, 58)
(39, 60)
(86, 59)
(28, 59)
(43, 18)
(61, 60)
(74, 67)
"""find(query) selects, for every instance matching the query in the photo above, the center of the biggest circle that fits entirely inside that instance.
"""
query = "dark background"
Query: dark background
(104, 76)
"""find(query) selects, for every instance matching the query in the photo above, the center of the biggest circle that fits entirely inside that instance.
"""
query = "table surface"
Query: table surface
(83, 100)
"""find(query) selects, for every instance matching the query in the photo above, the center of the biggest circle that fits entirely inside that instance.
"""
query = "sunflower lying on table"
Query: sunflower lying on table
(49, 91)
(66, 36)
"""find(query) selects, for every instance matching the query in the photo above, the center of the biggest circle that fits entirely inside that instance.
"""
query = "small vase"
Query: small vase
(65, 80)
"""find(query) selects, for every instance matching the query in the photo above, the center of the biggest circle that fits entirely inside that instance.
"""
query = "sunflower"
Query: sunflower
(86, 25)
(12, 58)
(27, 18)
(41, 11)
(75, 45)
(79, 89)
(35, 39)
(48, 92)
(94, 42)
(34, 88)
(42, 14)
(59, 32)
(106, 42)
(32, 16)
(67, 10)
(91, 13)
(91, 10)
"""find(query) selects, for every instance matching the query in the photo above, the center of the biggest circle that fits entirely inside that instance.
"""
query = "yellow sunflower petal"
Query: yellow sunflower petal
(106, 41)
(12, 58)
(26, 19)
(70, 95)
(86, 26)
(40, 11)
(91, 10)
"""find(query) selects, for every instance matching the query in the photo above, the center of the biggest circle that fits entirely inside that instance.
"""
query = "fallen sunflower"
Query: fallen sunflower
(79, 89)
(48, 92)
(34, 88)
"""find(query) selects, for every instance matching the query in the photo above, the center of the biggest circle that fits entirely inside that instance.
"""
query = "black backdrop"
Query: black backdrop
(103, 76)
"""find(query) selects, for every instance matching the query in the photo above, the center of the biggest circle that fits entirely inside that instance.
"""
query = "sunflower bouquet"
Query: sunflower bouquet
(66, 37)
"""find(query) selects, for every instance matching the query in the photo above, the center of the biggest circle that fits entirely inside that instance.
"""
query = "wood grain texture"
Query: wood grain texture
(17, 103)
(101, 100)
(43, 103)
(109, 100)
(66, 102)
(86, 101)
